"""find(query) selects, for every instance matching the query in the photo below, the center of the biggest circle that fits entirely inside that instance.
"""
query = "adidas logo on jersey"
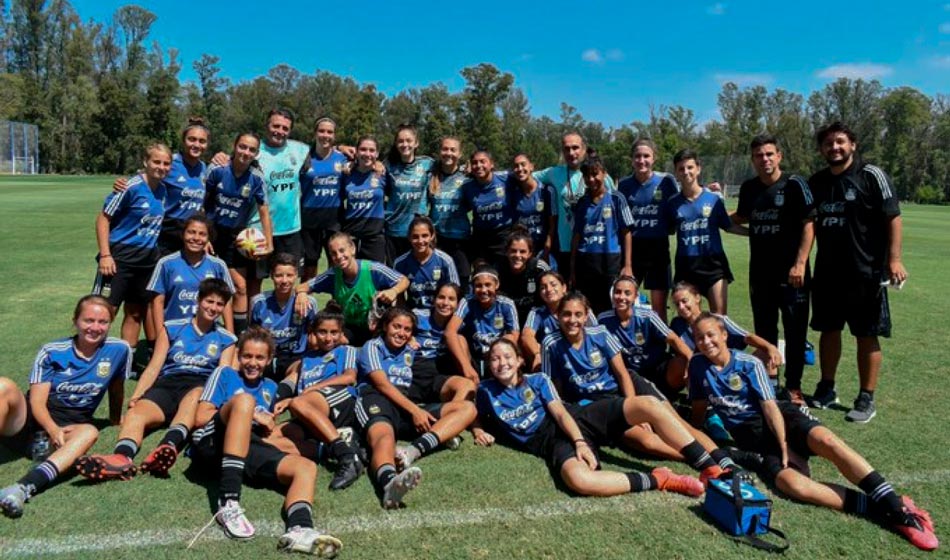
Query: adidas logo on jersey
(178, 280)
(267, 321)
(178, 344)
(145, 205)
(181, 179)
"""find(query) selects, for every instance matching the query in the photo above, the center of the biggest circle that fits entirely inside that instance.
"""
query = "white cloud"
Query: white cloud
(744, 79)
(945, 28)
(615, 55)
(593, 56)
(941, 61)
(716, 9)
(855, 71)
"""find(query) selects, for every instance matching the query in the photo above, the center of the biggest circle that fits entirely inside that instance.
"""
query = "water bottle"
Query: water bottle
(40, 449)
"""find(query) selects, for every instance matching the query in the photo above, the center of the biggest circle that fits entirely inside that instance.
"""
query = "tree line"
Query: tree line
(99, 91)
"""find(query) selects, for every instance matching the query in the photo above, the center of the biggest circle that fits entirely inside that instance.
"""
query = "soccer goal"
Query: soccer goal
(19, 148)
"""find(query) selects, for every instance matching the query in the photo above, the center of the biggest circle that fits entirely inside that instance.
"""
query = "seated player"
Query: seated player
(276, 312)
(53, 421)
(392, 405)
(542, 320)
(736, 386)
(525, 411)
(320, 392)
(236, 415)
(434, 370)
(186, 352)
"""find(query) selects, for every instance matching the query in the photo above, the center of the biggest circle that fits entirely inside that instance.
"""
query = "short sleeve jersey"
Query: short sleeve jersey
(522, 288)
(178, 280)
(735, 391)
(363, 195)
(533, 210)
(600, 224)
(185, 189)
(194, 353)
(854, 210)
(426, 277)
(567, 187)
(225, 382)
(735, 335)
(281, 166)
(582, 372)
(288, 327)
(320, 191)
(317, 367)
(135, 220)
(376, 355)
(697, 223)
(647, 202)
(643, 338)
(543, 322)
(406, 195)
(482, 326)
(447, 213)
(77, 382)
(230, 201)
(488, 204)
(776, 214)
(429, 335)
(515, 413)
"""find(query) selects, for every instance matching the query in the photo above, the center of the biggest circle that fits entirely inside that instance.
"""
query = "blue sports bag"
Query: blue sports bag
(744, 512)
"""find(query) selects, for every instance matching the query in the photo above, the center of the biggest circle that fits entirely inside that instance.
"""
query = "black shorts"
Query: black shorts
(703, 272)
(225, 250)
(862, 305)
(396, 246)
(21, 441)
(292, 244)
(315, 243)
(342, 401)
(169, 240)
(373, 407)
(755, 435)
(260, 464)
(128, 285)
(650, 259)
(277, 368)
(427, 382)
(602, 423)
(169, 390)
(645, 387)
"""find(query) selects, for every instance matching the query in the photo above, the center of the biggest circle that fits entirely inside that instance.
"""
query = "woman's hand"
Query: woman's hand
(422, 420)
(483, 438)
(585, 454)
(106, 265)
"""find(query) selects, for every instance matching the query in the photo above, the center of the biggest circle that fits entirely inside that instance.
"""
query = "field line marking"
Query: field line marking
(403, 520)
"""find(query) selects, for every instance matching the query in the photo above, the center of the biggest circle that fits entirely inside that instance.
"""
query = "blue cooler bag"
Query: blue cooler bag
(742, 511)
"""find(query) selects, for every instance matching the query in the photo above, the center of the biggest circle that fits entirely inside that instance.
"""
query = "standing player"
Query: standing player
(647, 193)
(127, 232)
(407, 184)
(237, 406)
(320, 195)
(486, 197)
(70, 378)
(735, 385)
(532, 205)
(780, 212)
(363, 191)
(445, 203)
(177, 276)
(426, 267)
(231, 193)
(697, 214)
(859, 232)
(275, 311)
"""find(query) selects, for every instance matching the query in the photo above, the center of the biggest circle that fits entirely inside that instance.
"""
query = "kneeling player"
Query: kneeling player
(387, 409)
(736, 386)
(186, 352)
(319, 391)
(236, 409)
(526, 412)
(69, 379)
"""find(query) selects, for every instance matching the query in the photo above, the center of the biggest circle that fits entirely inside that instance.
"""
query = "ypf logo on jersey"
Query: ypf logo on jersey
(596, 358)
(707, 210)
(103, 368)
(735, 382)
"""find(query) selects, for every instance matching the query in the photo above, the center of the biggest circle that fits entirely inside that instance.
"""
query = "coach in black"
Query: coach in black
(780, 212)
(858, 229)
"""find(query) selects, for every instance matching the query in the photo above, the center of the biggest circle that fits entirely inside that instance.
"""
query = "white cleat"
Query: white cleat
(309, 541)
(399, 486)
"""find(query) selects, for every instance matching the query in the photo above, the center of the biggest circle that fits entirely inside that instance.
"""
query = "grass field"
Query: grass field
(474, 503)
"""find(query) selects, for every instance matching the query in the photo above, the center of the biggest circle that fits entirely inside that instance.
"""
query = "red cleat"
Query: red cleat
(106, 467)
(160, 460)
(684, 484)
(710, 473)
(915, 524)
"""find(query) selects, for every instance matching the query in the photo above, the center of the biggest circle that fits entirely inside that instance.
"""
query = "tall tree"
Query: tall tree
(485, 88)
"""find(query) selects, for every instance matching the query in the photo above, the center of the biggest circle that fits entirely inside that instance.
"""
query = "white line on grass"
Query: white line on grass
(403, 520)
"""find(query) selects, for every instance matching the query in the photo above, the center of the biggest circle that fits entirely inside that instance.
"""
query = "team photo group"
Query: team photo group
(466, 299)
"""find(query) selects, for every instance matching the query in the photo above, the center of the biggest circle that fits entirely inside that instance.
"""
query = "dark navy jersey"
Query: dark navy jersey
(177, 280)
(288, 327)
(488, 204)
(185, 188)
(697, 223)
(523, 289)
(320, 200)
(363, 197)
(376, 355)
(601, 224)
(194, 353)
(406, 194)
(231, 201)
(735, 335)
(515, 413)
(582, 372)
(316, 367)
(135, 220)
(533, 211)
(543, 322)
(225, 382)
(425, 278)
(429, 335)
(447, 212)
(643, 338)
(483, 326)
(647, 202)
(735, 391)
(78, 382)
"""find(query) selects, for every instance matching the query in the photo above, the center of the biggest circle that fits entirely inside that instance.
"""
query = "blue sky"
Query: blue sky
(611, 60)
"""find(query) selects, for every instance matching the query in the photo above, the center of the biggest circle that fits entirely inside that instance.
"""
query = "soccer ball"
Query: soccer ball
(250, 241)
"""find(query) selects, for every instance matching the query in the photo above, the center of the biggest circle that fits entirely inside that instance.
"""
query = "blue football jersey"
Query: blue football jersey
(406, 194)
(320, 191)
(647, 202)
(317, 367)
(194, 353)
(543, 322)
(533, 211)
(601, 224)
(488, 204)
(225, 382)
(515, 413)
(429, 335)
(178, 281)
(375, 355)
(185, 189)
(735, 335)
(483, 326)
(78, 382)
(697, 223)
(288, 328)
(364, 195)
(231, 201)
(734, 392)
(643, 339)
(447, 211)
(425, 278)
(583, 372)
(135, 220)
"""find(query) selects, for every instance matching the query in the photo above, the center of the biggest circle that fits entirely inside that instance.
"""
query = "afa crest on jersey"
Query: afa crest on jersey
(418, 171)
(735, 382)
(338, 167)
(212, 349)
(267, 397)
(245, 191)
(707, 210)
(528, 395)
(532, 286)
(596, 358)
(374, 182)
(408, 358)
(657, 195)
(437, 274)
(639, 338)
(499, 321)
(850, 195)
(779, 199)
(608, 212)
(499, 191)
(328, 357)
(103, 368)
(539, 206)
(373, 409)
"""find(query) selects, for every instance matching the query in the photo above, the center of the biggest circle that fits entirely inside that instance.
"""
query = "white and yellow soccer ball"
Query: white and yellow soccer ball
(250, 241)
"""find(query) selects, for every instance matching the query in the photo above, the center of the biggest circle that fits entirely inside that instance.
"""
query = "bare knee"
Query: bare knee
(794, 484)
(578, 479)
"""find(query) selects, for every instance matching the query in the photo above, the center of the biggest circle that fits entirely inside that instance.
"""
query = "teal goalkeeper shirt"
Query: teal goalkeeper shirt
(281, 166)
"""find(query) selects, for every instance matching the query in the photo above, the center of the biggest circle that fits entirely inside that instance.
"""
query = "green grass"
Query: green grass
(518, 511)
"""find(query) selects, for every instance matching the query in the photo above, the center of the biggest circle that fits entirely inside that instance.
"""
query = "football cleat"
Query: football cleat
(454, 444)
(106, 467)
(12, 499)
(915, 524)
(348, 471)
(231, 518)
(160, 460)
(309, 541)
(399, 486)
(823, 398)
(669, 481)
(406, 456)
